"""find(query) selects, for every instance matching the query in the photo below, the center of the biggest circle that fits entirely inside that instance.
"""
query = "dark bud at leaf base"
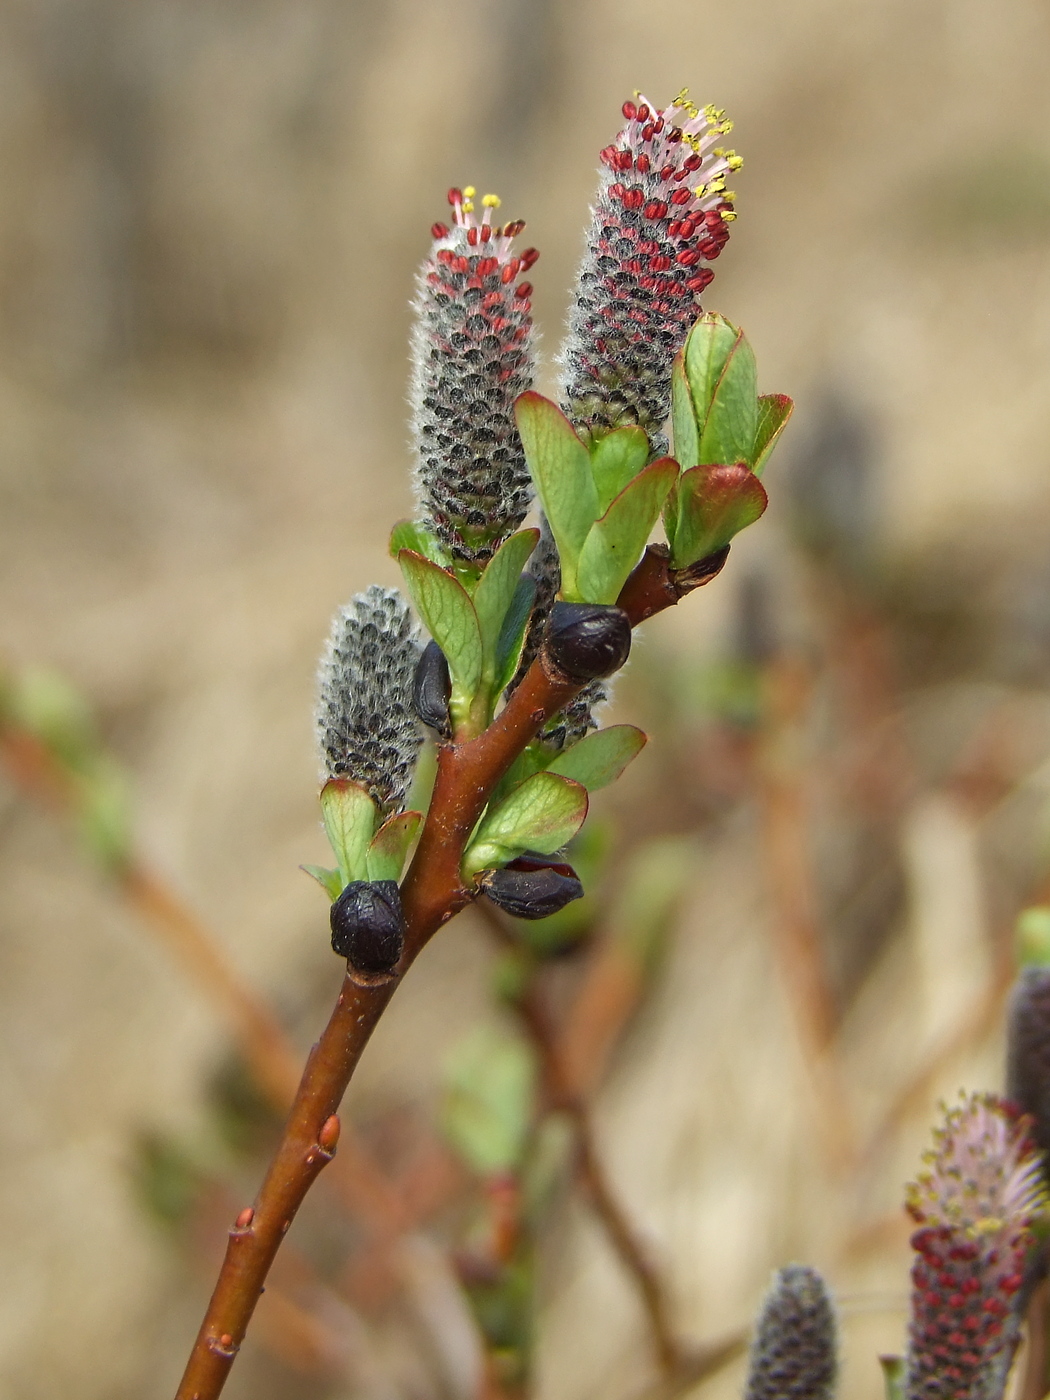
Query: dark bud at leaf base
(432, 688)
(587, 641)
(532, 887)
(1028, 1050)
(368, 926)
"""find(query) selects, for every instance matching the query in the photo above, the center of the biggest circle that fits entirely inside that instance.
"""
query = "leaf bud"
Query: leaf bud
(587, 641)
(432, 689)
(368, 926)
(532, 887)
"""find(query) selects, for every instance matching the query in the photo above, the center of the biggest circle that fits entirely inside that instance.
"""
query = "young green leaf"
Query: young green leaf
(512, 636)
(600, 758)
(683, 417)
(616, 459)
(385, 859)
(349, 816)
(561, 470)
(615, 542)
(773, 412)
(723, 383)
(448, 614)
(495, 590)
(709, 505)
(541, 814)
(410, 534)
(329, 880)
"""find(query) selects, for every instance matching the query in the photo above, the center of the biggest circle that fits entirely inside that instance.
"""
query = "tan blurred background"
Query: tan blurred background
(210, 216)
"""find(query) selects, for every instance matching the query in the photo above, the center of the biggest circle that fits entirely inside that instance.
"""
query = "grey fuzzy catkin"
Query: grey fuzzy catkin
(472, 355)
(661, 213)
(366, 727)
(794, 1351)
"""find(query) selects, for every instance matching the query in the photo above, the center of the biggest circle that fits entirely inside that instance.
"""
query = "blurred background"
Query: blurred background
(210, 220)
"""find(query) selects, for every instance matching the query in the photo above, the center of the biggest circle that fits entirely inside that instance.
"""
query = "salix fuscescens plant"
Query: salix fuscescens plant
(515, 763)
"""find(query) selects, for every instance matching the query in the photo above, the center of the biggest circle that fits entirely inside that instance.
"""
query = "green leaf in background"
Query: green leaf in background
(410, 534)
(349, 816)
(615, 542)
(495, 590)
(515, 629)
(1032, 936)
(560, 466)
(104, 812)
(600, 758)
(655, 879)
(708, 506)
(386, 855)
(894, 1370)
(490, 1087)
(683, 417)
(541, 814)
(616, 459)
(448, 614)
(723, 384)
(329, 880)
(773, 412)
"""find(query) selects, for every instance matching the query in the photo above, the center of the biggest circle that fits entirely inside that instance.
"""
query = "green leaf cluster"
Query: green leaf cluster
(724, 432)
(478, 619)
(543, 802)
(362, 852)
(602, 500)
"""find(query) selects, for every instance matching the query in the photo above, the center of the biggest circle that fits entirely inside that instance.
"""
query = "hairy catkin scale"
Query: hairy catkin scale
(794, 1353)
(366, 727)
(1028, 1050)
(976, 1204)
(662, 213)
(472, 355)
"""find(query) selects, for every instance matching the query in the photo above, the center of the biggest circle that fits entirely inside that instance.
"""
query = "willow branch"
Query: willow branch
(431, 894)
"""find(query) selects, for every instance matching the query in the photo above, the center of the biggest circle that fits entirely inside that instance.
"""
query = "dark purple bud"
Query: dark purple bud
(532, 887)
(432, 688)
(588, 640)
(368, 926)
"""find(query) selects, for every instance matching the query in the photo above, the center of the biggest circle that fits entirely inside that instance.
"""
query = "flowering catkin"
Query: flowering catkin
(975, 1203)
(794, 1354)
(662, 213)
(366, 727)
(472, 356)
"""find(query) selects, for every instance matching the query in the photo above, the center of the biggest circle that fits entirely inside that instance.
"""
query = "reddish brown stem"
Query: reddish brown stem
(564, 1096)
(431, 894)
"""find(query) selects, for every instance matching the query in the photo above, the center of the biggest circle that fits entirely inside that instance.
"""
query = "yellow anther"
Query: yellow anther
(734, 161)
(468, 206)
(491, 201)
(700, 191)
(730, 195)
(469, 191)
(681, 99)
(728, 215)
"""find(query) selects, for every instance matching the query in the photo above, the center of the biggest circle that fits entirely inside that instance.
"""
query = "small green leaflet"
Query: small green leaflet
(329, 880)
(448, 614)
(349, 816)
(495, 590)
(708, 507)
(560, 466)
(683, 417)
(410, 534)
(773, 412)
(600, 758)
(616, 541)
(616, 459)
(515, 629)
(385, 859)
(541, 814)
